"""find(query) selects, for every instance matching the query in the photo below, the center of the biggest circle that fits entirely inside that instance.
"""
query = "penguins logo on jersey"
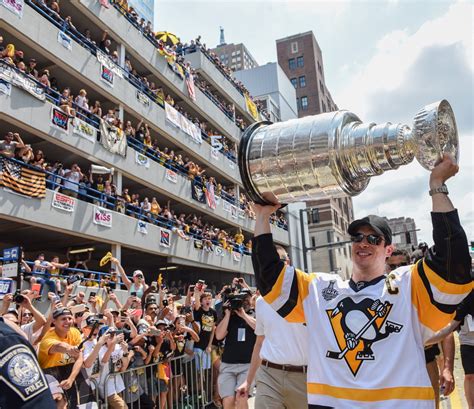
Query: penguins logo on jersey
(357, 326)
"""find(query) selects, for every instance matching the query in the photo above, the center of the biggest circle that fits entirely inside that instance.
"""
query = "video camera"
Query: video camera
(236, 301)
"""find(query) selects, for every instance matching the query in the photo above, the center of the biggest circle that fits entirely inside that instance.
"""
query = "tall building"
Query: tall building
(235, 56)
(270, 85)
(301, 59)
(404, 232)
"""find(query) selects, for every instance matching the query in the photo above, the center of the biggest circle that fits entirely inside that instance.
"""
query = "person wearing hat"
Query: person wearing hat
(366, 334)
(138, 285)
(59, 355)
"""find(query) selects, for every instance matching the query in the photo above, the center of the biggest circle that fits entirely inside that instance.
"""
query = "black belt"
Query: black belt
(287, 368)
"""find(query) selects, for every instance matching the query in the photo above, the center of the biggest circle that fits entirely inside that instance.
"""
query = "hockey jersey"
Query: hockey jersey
(366, 342)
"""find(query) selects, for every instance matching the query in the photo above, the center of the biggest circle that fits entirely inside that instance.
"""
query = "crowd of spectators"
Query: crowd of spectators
(101, 190)
(138, 347)
(179, 50)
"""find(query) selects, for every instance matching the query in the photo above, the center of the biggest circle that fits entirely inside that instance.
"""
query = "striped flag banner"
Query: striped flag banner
(21, 179)
(210, 196)
(190, 85)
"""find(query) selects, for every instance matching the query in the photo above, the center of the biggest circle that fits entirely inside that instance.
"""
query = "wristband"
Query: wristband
(441, 189)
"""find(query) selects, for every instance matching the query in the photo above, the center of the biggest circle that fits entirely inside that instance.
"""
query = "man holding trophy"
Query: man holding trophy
(366, 334)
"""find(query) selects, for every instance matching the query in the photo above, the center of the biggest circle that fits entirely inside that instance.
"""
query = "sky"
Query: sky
(383, 60)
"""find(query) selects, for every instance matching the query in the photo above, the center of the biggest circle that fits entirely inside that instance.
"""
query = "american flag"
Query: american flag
(210, 196)
(190, 85)
(21, 179)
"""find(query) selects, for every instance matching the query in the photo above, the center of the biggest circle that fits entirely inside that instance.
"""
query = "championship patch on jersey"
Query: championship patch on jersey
(21, 372)
(357, 326)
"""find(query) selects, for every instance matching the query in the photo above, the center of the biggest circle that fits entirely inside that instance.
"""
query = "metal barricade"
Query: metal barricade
(176, 383)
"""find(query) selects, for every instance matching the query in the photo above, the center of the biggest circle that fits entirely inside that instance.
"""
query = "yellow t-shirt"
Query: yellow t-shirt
(58, 359)
(239, 238)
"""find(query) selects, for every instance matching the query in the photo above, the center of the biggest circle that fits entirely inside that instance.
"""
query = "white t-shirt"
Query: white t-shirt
(73, 177)
(466, 334)
(30, 335)
(115, 383)
(285, 343)
(94, 370)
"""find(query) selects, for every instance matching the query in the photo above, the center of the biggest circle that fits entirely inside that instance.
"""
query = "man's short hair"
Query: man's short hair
(404, 253)
(205, 295)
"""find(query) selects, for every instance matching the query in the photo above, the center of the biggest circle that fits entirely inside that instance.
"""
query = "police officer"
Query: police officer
(22, 382)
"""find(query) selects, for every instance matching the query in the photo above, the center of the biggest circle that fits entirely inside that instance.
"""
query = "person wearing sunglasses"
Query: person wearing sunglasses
(366, 334)
(399, 258)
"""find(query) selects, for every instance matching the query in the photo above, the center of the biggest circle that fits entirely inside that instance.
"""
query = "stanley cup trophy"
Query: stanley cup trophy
(335, 153)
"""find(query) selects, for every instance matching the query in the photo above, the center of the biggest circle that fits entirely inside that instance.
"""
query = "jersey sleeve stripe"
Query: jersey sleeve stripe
(292, 300)
(428, 313)
(445, 286)
(275, 291)
(289, 277)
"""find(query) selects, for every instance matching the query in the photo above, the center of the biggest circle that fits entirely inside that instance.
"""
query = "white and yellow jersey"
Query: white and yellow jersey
(365, 341)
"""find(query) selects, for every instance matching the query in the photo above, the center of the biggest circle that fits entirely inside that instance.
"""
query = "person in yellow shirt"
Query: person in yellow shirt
(60, 357)
(239, 241)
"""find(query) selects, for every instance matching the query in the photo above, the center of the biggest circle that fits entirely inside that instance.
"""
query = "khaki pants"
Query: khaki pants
(116, 402)
(277, 389)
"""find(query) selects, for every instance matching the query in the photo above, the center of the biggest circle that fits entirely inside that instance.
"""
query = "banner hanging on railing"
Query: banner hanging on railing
(20, 80)
(59, 119)
(113, 139)
(226, 206)
(236, 256)
(233, 211)
(63, 202)
(102, 217)
(183, 123)
(171, 176)
(142, 160)
(172, 115)
(165, 237)
(5, 88)
(109, 64)
(15, 6)
(107, 75)
(210, 196)
(65, 40)
(22, 180)
(219, 251)
(143, 99)
(197, 192)
(190, 85)
(84, 130)
(142, 227)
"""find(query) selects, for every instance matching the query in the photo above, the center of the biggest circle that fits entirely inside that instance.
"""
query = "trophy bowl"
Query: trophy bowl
(335, 154)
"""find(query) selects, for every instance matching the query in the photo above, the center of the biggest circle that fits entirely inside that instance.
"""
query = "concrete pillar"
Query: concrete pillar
(118, 180)
(298, 220)
(121, 52)
(237, 195)
(120, 112)
(117, 251)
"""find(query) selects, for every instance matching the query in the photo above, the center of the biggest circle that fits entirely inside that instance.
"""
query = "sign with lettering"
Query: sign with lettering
(102, 217)
(59, 119)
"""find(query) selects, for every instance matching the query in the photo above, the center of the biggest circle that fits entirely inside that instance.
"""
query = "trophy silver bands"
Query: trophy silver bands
(335, 153)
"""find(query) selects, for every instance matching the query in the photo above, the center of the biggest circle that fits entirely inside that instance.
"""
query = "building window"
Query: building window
(237, 52)
(304, 103)
(291, 63)
(302, 82)
(294, 47)
(313, 241)
(297, 103)
(294, 82)
(324, 107)
(238, 58)
(300, 61)
(313, 216)
(321, 86)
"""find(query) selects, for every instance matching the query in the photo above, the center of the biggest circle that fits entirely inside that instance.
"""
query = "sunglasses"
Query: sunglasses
(27, 314)
(395, 266)
(373, 239)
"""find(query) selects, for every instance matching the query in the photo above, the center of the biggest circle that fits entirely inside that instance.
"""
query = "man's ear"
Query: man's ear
(389, 250)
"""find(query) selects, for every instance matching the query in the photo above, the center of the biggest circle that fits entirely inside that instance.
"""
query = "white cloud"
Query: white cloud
(407, 71)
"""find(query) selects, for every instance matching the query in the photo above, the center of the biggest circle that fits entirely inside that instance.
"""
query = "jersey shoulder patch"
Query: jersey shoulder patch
(21, 372)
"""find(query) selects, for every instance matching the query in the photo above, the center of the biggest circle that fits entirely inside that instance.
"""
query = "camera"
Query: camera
(74, 278)
(18, 298)
(165, 302)
(170, 327)
(236, 301)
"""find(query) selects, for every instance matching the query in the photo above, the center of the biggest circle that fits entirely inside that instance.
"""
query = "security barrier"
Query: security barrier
(176, 383)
